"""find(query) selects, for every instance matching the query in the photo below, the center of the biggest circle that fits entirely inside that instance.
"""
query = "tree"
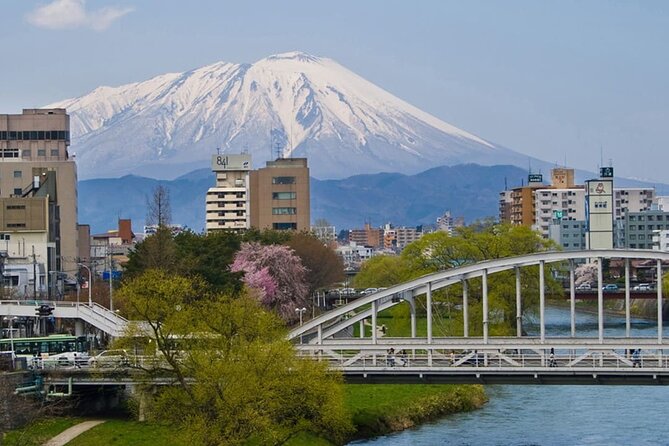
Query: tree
(276, 275)
(324, 266)
(237, 379)
(159, 209)
(157, 251)
(382, 271)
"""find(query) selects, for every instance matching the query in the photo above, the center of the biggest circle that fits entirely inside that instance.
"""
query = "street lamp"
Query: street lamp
(300, 311)
(90, 283)
(11, 337)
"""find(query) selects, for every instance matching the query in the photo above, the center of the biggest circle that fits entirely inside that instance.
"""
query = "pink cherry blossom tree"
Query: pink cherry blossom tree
(276, 275)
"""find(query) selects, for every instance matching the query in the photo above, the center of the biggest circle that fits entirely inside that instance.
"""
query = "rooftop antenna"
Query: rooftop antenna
(279, 152)
(506, 185)
(601, 156)
(245, 150)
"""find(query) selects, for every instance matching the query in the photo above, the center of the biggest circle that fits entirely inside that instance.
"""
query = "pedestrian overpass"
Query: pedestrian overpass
(521, 359)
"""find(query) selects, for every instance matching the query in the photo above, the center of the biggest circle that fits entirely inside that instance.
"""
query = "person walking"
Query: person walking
(636, 358)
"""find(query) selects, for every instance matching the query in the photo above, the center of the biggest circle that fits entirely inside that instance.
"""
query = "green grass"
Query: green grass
(39, 432)
(382, 408)
(375, 409)
(129, 433)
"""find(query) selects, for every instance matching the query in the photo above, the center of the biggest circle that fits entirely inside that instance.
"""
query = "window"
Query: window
(16, 225)
(18, 174)
(41, 152)
(18, 191)
(283, 180)
(25, 153)
(9, 153)
(283, 195)
(15, 206)
(284, 226)
(284, 211)
(54, 152)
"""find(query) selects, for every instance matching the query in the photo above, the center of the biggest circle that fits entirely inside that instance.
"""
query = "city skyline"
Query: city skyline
(576, 84)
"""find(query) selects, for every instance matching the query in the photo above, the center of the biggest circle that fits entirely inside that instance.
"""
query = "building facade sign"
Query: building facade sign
(237, 162)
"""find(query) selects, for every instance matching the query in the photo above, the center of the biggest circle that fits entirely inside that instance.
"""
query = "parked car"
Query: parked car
(610, 287)
(585, 286)
(67, 359)
(370, 290)
(642, 287)
(110, 358)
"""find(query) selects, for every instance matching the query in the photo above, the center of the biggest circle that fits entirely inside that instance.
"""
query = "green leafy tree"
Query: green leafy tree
(157, 251)
(238, 380)
(382, 271)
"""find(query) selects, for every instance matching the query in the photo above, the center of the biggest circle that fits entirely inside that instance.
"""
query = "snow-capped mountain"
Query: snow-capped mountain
(292, 103)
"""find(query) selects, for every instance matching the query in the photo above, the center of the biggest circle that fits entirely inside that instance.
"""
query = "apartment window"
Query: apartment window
(284, 226)
(41, 152)
(283, 195)
(15, 206)
(10, 153)
(18, 191)
(25, 153)
(54, 152)
(18, 174)
(284, 211)
(16, 225)
(283, 180)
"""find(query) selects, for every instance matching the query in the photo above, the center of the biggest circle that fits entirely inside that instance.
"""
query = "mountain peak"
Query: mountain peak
(291, 104)
(299, 56)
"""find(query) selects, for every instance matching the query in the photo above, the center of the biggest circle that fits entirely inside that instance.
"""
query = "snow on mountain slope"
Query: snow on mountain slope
(295, 103)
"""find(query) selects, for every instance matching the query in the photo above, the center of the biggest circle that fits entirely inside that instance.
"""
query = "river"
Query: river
(556, 415)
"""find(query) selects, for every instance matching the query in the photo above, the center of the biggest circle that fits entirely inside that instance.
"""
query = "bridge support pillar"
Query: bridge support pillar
(362, 328)
(659, 304)
(465, 307)
(412, 310)
(542, 302)
(374, 311)
(78, 327)
(600, 300)
(428, 303)
(519, 310)
(484, 286)
(572, 299)
(627, 298)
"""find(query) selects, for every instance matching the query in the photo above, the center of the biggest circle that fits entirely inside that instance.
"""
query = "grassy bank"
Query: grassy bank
(378, 409)
(375, 409)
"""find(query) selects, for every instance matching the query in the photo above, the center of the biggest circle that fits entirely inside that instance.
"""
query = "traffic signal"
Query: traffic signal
(44, 310)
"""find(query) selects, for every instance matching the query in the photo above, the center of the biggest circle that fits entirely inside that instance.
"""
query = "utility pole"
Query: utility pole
(111, 288)
(34, 275)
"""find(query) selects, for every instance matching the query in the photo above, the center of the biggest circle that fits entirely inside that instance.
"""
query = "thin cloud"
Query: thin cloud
(71, 14)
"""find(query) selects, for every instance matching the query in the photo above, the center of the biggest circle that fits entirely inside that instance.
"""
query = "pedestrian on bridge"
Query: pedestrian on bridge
(551, 359)
(636, 358)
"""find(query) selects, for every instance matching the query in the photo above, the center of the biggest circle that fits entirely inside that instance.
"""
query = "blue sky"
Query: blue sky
(556, 80)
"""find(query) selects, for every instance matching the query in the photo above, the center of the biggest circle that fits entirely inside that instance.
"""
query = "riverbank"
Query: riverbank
(639, 308)
(375, 409)
(379, 409)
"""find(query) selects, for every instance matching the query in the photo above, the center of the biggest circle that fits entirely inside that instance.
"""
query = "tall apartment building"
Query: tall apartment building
(642, 227)
(229, 201)
(35, 167)
(280, 195)
(557, 204)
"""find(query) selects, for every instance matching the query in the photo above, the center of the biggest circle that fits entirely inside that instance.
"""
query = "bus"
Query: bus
(45, 346)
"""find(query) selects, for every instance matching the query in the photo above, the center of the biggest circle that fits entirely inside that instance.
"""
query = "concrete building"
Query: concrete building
(557, 204)
(35, 164)
(229, 201)
(569, 234)
(280, 197)
(642, 227)
(599, 210)
(368, 236)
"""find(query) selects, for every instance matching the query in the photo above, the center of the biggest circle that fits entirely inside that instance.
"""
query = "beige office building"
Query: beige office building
(35, 164)
(280, 195)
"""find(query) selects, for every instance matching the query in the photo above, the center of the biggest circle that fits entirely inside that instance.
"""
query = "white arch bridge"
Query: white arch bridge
(543, 358)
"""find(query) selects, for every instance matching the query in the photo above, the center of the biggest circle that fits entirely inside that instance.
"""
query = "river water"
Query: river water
(556, 415)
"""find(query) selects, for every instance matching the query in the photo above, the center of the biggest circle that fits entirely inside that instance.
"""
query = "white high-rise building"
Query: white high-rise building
(228, 203)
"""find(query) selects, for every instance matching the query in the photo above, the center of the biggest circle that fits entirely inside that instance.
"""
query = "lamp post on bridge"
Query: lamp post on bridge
(90, 283)
(300, 311)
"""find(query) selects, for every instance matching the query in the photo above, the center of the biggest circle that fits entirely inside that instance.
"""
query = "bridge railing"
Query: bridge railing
(346, 360)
